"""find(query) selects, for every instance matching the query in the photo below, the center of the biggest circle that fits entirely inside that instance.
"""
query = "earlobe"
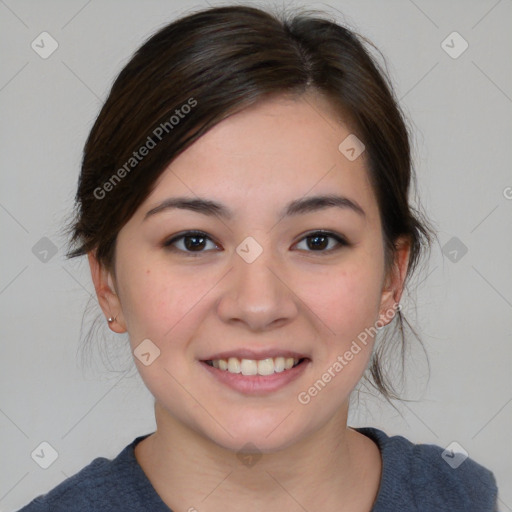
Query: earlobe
(106, 294)
(395, 280)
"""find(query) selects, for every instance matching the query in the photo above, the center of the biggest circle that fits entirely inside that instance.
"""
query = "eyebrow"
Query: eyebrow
(296, 207)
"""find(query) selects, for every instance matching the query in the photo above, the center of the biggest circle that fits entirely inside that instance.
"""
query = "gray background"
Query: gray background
(461, 113)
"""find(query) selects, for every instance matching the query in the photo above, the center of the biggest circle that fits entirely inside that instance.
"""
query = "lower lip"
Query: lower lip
(257, 384)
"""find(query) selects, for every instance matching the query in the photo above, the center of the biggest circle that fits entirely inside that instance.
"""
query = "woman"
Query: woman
(243, 203)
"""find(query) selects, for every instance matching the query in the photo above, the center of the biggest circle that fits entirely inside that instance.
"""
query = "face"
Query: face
(266, 278)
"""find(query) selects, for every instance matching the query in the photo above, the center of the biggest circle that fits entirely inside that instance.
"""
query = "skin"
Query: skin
(291, 297)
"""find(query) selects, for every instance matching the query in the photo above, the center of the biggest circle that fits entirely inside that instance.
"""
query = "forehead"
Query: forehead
(268, 154)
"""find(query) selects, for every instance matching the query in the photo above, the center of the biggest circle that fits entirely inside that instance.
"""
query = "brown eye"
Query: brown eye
(190, 242)
(194, 242)
(321, 241)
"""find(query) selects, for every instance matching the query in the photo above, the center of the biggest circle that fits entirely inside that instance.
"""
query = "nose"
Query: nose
(257, 294)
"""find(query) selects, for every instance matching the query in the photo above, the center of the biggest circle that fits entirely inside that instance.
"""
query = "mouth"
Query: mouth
(256, 375)
(263, 367)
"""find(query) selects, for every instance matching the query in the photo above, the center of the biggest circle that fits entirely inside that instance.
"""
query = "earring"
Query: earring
(110, 319)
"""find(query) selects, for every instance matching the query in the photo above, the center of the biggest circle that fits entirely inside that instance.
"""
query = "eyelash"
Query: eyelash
(169, 244)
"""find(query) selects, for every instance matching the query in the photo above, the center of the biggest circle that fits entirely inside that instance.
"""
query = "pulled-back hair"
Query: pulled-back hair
(204, 67)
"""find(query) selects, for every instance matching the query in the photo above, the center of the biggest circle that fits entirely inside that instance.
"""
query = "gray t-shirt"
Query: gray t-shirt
(415, 477)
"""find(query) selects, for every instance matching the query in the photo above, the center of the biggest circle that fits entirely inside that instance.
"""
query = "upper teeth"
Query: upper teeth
(255, 367)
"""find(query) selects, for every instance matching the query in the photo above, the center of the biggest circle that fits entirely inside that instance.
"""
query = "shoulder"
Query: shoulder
(104, 484)
(80, 492)
(430, 478)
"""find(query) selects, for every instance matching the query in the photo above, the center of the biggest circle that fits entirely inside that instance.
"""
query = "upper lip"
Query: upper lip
(243, 353)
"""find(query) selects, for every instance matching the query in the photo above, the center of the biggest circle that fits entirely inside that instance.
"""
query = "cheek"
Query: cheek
(348, 306)
(348, 300)
(157, 300)
(164, 307)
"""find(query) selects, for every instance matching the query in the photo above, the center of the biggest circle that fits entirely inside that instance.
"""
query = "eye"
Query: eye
(190, 242)
(323, 241)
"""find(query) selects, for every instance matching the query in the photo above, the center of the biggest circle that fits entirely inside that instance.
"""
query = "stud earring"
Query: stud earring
(110, 319)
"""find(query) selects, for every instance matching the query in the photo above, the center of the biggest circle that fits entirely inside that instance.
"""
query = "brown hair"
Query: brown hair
(202, 68)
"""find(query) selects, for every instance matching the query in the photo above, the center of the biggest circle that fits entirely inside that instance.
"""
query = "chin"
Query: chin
(257, 432)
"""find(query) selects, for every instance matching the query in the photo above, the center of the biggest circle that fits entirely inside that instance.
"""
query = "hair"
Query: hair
(206, 66)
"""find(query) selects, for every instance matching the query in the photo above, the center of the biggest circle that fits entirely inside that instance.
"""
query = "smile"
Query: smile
(258, 376)
(266, 366)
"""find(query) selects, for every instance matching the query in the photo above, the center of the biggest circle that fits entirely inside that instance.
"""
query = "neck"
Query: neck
(327, 470)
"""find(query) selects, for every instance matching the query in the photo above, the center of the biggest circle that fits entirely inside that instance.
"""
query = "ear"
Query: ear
(106, 293)
(394, 281)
